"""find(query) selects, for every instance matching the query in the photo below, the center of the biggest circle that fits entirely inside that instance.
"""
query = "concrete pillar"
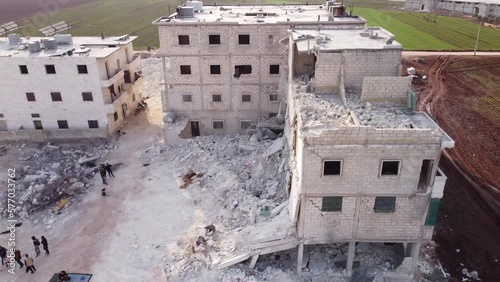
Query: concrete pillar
(350, 258)
(414, 250)
(300, 256)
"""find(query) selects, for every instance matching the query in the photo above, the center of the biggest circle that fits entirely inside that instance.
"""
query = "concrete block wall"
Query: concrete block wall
(386, 226)
(361, 166)
(174, 75)
(252, 90)
(175, 100)
(386, 90)
(226, 70)
(359, 64)
(209, 90)
(327, 72)
(320, 226)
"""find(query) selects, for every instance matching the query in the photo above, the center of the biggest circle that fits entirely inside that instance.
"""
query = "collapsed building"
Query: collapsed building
(363, 165)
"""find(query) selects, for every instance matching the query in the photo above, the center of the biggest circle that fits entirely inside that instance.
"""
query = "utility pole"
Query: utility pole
(477, 39)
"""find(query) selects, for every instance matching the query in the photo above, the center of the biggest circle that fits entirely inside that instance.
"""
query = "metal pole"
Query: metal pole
(477, 39)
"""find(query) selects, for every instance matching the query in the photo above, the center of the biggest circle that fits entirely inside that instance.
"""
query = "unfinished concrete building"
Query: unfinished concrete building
(225, 67)
(364, 164)
(66, 87)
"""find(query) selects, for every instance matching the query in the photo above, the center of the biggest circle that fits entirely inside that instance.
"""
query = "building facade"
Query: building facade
(225, 66)
(66, 87)
(484, 8)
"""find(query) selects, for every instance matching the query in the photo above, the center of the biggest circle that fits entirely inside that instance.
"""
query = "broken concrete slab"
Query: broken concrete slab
(276, 147)
(233, 261)
(278, 209)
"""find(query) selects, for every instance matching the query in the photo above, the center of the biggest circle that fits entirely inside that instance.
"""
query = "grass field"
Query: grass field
(134, 17)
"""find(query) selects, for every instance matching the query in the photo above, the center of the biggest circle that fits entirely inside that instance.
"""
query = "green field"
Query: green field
(134, 17)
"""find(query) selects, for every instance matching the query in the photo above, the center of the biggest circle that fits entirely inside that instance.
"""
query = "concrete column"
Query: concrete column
(166, 102)
(300, 256)
(414, 250)
(350, 258)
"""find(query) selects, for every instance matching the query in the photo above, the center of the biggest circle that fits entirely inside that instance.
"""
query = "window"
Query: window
(82, 69)
(115, 116)
(385, 204)
(390, 168)
(242, 69)
(87, 96)
(271, 39)
(214, 69)
(332, 167)
(133, 97)
(187, 98)
(331, 204)
(183, 39)
(30, 96)
(35, 115)
(23, 69)
(214, 39)
(56, 96)
(185, 69)
(38, 124)
(246, 98)
(93, 124)
(273, 97)
(274, 69)
(244, 39)
(244, 124)
(273, 115)
(216, 98)
(63, 124)
(218, 124)
(50, 69)
(2, 116)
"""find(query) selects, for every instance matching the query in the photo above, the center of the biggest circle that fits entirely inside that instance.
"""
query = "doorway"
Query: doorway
(106, 65)
(124, 109)
(38, 124)
(126, 76)
(195, 128)
(422, 8)
(425, 175)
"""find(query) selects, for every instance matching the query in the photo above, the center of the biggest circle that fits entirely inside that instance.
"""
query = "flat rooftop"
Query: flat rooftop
(327, 111)
(343, 39)
(260, 14)
(91, 46)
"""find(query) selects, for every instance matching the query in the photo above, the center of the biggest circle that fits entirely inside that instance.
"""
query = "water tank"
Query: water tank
(197, 5)
(185, 12)
(50, 44)
(63, 39)
(34, 47)
(14, 39)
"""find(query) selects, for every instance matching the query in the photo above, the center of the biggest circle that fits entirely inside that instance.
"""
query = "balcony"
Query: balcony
(139, 81)
(133, 64)
(112, 99)
(113, 79)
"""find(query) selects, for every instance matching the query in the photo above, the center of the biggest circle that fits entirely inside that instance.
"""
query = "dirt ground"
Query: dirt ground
(461, 93)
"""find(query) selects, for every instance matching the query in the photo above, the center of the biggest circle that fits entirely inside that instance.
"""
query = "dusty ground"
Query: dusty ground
(462, 94)
(15, 10)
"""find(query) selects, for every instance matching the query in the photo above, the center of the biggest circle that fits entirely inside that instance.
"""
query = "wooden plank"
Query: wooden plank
(234, 260)
(267, 239)
(277, 248)
(272, 243)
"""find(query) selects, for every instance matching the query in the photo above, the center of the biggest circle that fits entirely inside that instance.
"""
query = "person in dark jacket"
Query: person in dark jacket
(17, 257)
(45, 245)
(36, 243)
(102, 171)
(108, 169)
(3, 253)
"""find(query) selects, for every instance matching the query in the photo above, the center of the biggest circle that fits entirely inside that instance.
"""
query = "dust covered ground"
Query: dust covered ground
(462, 93)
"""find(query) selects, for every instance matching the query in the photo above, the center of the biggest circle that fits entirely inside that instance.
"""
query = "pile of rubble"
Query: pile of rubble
(51, 174)
(318, 111)
(239, 184)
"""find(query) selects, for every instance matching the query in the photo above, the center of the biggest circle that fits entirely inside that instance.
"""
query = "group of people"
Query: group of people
(28, 261)
(102, 170)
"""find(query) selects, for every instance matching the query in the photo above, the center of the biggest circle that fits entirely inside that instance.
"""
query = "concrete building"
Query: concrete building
(226, 67)
(364, 165)
(66, 87)
(484, 8)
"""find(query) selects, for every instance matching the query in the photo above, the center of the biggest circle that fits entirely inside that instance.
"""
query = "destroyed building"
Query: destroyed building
(363, 165)
(65, 87)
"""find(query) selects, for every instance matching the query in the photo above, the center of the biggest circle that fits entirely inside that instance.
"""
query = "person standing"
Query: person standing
(17, 257)
(108, 169)
(29, 264)
(102, 171)
(3, 253)
(45, 245)
(36, 243)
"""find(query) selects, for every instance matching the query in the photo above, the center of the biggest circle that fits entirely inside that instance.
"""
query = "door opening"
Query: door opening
(425, 175)
(195, 128)
(124, 109)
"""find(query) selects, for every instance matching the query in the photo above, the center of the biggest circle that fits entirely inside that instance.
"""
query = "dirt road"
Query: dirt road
(122, 237)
